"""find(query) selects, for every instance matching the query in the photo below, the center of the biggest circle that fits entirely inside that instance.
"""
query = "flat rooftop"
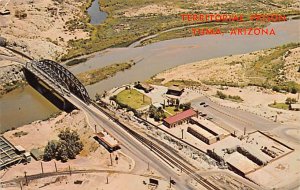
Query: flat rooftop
(210, 125)
(108, 139)
(241, 162)
(202, 131)
(7, 153)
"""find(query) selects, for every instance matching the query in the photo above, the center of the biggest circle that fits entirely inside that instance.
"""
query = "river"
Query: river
(22, 106)
(151, 59)
(97, 16)
(157, 57)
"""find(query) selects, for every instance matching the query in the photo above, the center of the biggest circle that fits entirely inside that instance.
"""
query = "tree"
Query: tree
(221, 95)
(294, 90)
(276, 88)
(68, 146)
(50, 150)
(290, 101)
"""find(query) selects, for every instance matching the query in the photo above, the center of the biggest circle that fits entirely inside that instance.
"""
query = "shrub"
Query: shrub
(221, 95)
(67, 147)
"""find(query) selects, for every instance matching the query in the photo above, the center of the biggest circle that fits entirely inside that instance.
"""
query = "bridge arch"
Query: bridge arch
(63, 77)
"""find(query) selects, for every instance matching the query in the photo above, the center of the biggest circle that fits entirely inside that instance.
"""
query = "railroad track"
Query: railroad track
(165, 155)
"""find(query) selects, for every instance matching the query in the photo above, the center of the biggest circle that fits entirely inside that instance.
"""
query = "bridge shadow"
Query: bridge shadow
(48, 92)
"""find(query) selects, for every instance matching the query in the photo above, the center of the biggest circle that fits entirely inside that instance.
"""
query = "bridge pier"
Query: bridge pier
(50, 94)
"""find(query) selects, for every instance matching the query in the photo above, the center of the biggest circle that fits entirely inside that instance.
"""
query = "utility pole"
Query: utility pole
(21, 185)
(181, 133)
(170, 182)
(148, 167)
(106, 179)
(55, 166)
(42, 167)
(111, 163)
(26, 180)
(70, 170)
(244, 130)
(96, 129)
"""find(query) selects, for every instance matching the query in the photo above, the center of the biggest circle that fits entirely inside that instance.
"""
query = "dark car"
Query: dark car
(206, 105)
(172, 181)
(202, 103)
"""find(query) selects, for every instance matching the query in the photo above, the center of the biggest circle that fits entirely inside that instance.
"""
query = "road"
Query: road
(129, 145)
(236, 118)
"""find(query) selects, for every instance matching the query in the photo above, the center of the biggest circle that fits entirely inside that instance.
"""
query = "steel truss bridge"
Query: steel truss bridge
(60, 76)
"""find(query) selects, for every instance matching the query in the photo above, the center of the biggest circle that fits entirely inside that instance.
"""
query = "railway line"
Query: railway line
(165, 155)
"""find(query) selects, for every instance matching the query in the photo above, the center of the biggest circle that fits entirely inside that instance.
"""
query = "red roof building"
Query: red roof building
(179, 118)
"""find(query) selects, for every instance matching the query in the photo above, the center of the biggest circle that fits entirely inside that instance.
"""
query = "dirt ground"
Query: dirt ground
(93, 155)
(230, 68)
(43, 33)
(96, 182)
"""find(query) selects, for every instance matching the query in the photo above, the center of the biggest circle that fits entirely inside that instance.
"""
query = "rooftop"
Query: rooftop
(202, 131)
(175, 88)
(210, 125)
(108, 139)
(180, 116)
(7, 153)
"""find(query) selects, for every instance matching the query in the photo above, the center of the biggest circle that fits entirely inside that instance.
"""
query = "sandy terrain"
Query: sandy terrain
(43, 33)
(96, 182)
(259, 104)
(230, 68)
(93, 155)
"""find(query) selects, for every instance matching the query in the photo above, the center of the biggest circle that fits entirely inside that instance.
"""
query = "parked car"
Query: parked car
(172, 181)
(206, 105)
(202, 103)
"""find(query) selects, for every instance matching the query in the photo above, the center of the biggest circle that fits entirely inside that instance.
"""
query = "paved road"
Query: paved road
(237, 119)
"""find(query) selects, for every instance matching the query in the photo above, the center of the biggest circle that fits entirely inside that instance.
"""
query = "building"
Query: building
(209, 126)
(37, 154)
(295, 107)
(106, 140)
(175, 90)
(144, 86)
(8, 154)
(179, 118)
(202, 134)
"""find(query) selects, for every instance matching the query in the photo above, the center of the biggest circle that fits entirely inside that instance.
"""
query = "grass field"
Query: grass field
(133, 98)
(96, 75)
(171, 110)
(120, 30)
(280, 106)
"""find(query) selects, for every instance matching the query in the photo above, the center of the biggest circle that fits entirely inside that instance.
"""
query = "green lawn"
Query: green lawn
(171, 110)
(280, 106)
(133, 98)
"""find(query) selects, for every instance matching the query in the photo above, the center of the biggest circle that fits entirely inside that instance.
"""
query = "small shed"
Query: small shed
(175, 90)
(37, 154)
(144, 86)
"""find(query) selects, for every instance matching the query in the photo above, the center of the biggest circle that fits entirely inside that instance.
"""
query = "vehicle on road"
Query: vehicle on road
(172, 182)
(205, 105)
(202, 103)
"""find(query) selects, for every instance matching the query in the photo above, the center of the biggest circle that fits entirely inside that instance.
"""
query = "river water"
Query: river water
(97, 16)
(22, 106)
(157, 57)
(151, 59)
